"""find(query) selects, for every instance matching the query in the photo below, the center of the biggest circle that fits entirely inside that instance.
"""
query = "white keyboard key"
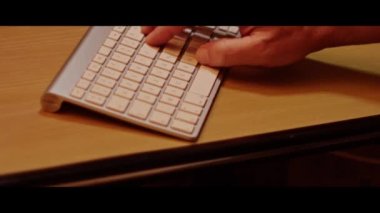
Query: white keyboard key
(111, 73)
(138, 68)
(135, 28)
(195, 43)
(182, 126)
(77, 92)
(164, 65)
(159, 118)
(189, 58)
(187, 117)
(95, 99)
(140, 109)
(196, 99)
(167, 57)
(121, 58)
(174, 91)
(204, 80)
(142, 96)
(119, 29)
(125, 50)
(189, 55)
(148, 51)
(129, 84)
(178, 83)
(105, 50)
(234, 29)
(174, 46)
(134, 76)
(136, 35)
(117, 104)
(125, 93)
(130, 43)
(114, 35)
(160, 73)
(94, 67)
(165, 108)
(82, 83)
(184, 35)
(151, 89)
(110, 43)
(169, 100)
(223, 28)
(116, 65)
(104, 91)
(107, 82)
(186, 67)
(203, 32)
(191, 108)
(88, 75)
(155, 81)
(99, 58)
(143, 60)
(182, 75)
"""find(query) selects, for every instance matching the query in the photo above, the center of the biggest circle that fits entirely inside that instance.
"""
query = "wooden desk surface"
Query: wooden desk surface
(337, 84)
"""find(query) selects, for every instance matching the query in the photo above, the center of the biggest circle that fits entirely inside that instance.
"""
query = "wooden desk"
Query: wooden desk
(332, 85)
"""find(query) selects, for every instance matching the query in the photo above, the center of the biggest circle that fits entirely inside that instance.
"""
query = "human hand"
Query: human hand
(268, 46)
(260, 46)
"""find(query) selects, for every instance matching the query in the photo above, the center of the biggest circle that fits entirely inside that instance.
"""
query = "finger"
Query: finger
(230, 52)
(147, 29)
(161, 35)
(245, 30)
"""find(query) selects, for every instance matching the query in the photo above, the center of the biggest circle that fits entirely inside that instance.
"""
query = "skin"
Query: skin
(268, 46)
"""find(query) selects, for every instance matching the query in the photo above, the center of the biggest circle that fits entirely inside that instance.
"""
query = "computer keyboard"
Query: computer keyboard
(114, 72)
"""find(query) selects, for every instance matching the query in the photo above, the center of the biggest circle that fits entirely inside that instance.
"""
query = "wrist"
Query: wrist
(328, 36)
(324, 37)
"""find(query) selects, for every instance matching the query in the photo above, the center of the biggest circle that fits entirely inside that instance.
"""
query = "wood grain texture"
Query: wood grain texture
(333, 85)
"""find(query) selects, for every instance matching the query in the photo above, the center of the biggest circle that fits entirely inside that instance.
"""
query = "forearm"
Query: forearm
(340, 36)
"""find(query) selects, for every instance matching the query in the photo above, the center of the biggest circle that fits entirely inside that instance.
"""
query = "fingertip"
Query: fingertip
(211, 54)
(151, 40)
(202, 55)
(147, 29)
(161, 35)
(245, 30)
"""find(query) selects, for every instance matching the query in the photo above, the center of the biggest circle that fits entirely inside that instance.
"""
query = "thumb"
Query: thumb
(227, 52)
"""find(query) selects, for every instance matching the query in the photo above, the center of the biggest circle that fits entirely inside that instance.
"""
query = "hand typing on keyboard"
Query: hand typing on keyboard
(115, 72)
(269, 46)
(119, 72)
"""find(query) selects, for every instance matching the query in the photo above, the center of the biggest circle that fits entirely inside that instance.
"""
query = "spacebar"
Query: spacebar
(204, 81)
